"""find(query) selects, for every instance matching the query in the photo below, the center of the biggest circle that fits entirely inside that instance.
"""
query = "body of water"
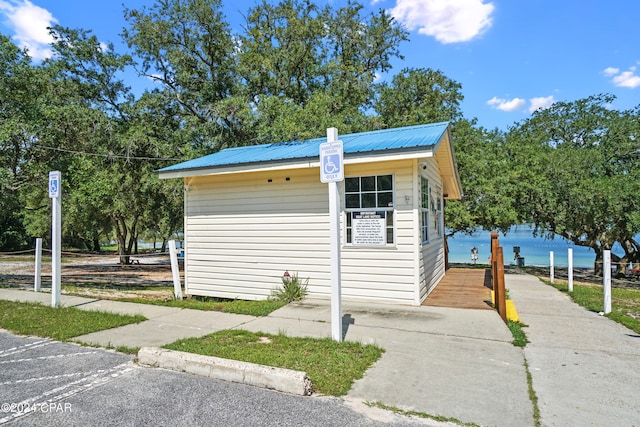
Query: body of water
(534, 250)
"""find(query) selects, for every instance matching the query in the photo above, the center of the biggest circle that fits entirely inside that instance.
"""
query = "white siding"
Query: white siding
(385, 273)
(243, 232)
(432, 266)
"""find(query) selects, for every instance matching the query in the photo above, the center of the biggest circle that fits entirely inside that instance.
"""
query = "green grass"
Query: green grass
(533, 397)
(519, 337)
(625, 303)
(61, 323)
(418, 414)
(120, 348)
(331, 366)
(252, 308)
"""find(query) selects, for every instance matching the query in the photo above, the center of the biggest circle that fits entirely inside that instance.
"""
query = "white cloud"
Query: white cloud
(540, 103)
(449, 21)
(507, 105)
(611, 71)
(623, 79)
(29, 22)
(627, 79)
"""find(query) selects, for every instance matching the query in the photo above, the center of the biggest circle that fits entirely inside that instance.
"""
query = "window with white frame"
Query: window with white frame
(369, 210)
(439, 220)
(424, 208)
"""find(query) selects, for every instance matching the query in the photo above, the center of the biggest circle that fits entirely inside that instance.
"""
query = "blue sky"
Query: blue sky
(511, 57)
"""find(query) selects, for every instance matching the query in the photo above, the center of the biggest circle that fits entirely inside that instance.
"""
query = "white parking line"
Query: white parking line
(14, 350)
(51, 377)
(56, 356)
(41, 401)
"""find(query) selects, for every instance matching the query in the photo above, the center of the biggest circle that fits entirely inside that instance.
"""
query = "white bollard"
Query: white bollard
(38, 270)
(173, 255)
(606, 280)
(570, 269)
(551, 273)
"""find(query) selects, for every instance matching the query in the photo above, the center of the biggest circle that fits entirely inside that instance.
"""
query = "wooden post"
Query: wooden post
(494, 268)
(501, 300)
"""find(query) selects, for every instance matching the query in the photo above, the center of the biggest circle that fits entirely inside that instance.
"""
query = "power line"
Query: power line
(110, 156)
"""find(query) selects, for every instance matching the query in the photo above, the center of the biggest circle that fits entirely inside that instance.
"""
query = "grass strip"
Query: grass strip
(119, 348)
(519, 337)
(251, 308)
(331, 366)
(533, 397)
(62, 323)
(418, 414)
(625, 303)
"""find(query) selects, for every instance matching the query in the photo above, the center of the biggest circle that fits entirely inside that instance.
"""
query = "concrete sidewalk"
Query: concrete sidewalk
(456, 363)
(585, 367)
(449, 362)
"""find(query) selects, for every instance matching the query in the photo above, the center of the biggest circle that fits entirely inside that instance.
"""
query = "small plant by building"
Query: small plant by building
(293, 289)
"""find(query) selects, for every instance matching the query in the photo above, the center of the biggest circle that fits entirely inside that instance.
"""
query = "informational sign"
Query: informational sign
(369, 228)
(331, 162)
(54, 184)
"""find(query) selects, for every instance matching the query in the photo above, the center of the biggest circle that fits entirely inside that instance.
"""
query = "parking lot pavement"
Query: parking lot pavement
(44, 382)
(39, 375)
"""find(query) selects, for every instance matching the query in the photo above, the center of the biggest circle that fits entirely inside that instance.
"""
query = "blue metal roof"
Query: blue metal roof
(397, 139)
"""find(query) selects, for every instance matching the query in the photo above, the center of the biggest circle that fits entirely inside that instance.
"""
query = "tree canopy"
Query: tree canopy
(294, 69)
(577, 166)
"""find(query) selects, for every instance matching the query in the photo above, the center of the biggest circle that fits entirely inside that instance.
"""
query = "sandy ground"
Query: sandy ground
(98, 276)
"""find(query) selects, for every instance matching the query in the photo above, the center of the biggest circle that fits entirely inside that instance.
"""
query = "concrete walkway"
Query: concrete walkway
(451, 362)
(585, 367)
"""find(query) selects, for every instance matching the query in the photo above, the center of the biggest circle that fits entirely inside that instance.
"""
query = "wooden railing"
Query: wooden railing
(497, 276)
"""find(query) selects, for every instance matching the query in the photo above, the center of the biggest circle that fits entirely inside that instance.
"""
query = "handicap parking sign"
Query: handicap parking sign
(54, 184)
(331, 162)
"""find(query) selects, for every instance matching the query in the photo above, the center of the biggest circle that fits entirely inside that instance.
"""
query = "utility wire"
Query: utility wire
(110, 156)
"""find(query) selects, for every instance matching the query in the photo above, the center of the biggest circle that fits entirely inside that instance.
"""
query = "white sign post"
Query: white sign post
(551, 272)
(55, 192)
(38, 268)
(606, 280)
(570, 269)
(175, 271)
(332, 172)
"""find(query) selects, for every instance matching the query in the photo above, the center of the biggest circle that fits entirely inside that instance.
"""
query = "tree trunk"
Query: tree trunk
(96, 244)
(597, 264)
(121, 236)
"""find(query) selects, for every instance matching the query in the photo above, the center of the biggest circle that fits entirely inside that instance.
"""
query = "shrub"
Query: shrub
(291, 290)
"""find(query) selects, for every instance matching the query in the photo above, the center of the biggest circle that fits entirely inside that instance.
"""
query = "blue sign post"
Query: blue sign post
(55, 184)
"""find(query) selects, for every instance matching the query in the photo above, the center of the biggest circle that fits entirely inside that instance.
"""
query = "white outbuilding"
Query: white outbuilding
(252, 213)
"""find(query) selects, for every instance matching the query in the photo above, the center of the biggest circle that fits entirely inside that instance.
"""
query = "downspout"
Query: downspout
(417, 239)
(185, 210)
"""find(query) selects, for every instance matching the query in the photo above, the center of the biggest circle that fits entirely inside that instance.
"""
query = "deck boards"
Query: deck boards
(462, 288)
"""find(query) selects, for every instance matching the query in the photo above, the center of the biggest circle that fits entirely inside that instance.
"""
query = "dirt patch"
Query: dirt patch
(97, 276)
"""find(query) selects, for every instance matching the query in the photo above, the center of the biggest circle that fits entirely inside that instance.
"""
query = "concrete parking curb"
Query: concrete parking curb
(284, 380)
